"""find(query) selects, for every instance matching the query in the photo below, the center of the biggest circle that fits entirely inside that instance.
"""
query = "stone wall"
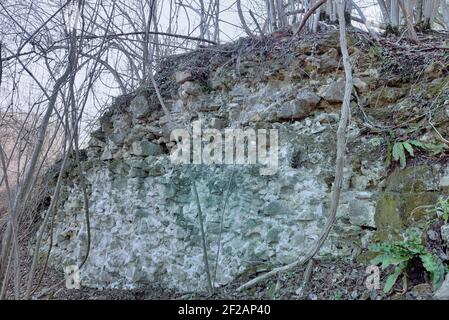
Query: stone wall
(144, 220)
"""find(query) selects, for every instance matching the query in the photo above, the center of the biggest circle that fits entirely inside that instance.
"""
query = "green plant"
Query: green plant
(338, 295)
(375, 52)
(400, 253)
(402, 148)
(399, 153)
(433, 148)
(272, 292)
(442, 208)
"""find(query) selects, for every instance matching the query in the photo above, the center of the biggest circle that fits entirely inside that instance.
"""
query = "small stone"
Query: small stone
(140, 107)
(432, 235)
(308, 98)
(218, 123)
(313, 296)
(445, 233)
(298, 239)
(183, 76)
(181, 233)
(443, 292)
(373, 295)
(118, 138)
(300, 292)
(273, 236)
(434, 70)
(260, 112)
(334, 92)
(293, 110)
(421, 289)
(360, 85)
(145, 148)
(274, 208)
(361, 213)
(189, 88)
(106, 155)
(329, 61)
(444, 181)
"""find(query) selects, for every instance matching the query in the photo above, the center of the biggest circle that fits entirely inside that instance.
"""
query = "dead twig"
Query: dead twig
(203, 239)
(307, 16)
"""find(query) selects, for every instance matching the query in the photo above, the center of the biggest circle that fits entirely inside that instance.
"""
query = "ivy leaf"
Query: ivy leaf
(399, 154)
(392, 278)
(435, 267)
(388, 160)
(398, 148)
(416, 143)
(409, 148)
(389, 255)
(402, 160)
(387, 260)
(436, 149)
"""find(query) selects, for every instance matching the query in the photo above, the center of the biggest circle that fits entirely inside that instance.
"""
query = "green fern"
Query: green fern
(400, 253)
(399, 152)
(402, 148)
(442, 208)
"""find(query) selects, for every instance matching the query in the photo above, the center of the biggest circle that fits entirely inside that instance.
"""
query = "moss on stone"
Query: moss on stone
(435, 88)
(402, 204)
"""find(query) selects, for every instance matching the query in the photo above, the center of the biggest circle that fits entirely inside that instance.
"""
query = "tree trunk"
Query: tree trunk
(394, 13)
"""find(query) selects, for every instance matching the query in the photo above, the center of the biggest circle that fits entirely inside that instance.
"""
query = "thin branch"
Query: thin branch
(203, 239)
(339, 165)
(123, 34)
(307, 16)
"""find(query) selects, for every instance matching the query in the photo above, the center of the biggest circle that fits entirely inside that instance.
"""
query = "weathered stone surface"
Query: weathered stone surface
(106, 155)
(140, 107)
(189, 88)
(183, 76)
(334, 92)
(330, 61)
(360, 85)
(443, 292)
(362, 213)
(218, 123)
(145, 148)
(434, 70)
(387, 95)
(146, 220)
(300, 107)
(144, 213)
(445, 233)
(308, 98)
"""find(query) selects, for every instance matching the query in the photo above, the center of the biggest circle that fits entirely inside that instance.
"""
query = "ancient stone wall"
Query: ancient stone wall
(144, 219)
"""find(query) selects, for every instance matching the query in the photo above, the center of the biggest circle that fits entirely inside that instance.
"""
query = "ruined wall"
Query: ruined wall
(144, 220)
